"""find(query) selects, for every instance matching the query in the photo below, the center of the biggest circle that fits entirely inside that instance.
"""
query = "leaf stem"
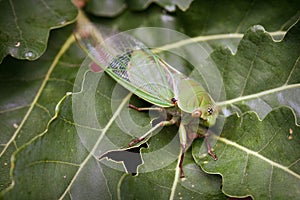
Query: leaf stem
(256, 154)
(208, 38)
(257, 95)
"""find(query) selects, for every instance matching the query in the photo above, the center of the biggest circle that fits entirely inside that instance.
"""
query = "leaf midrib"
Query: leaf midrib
(256, 154)
(208, 38)
(257, 95)
(91, 153)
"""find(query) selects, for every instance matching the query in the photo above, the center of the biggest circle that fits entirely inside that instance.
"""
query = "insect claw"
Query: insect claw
(212, 154)
(209, 151)
(135, 141)
(182, 174)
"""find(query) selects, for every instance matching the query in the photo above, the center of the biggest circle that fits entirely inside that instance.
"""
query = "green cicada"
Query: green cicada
(129, 62)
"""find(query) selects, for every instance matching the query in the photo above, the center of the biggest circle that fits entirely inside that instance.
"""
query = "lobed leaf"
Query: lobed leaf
(106, 8)
(51, 160)
(30, 92)
(257, 158)
(25, 26)
(263, 74)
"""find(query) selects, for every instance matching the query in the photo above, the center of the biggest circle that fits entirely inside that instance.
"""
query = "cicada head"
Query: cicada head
(193, 99)
(207, 112)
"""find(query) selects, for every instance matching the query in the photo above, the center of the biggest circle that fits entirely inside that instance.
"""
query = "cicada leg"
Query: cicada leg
(160, 124)
(209, 151)
(186, 136)
(145, 109)
(183, 150)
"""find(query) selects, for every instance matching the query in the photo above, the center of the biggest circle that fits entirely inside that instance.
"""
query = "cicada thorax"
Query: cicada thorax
(193, 99)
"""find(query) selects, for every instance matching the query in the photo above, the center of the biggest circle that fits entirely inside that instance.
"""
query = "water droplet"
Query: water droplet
(15, 125)
(170, 8)
(257, 28)
(17, 44)
(63, 22)
(29, 54)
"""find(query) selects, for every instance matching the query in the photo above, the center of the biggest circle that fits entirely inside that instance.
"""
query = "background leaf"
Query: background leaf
(25, 26)
(108, 8)
(51, 160)
(263, 74)
(237, 16)
(31, 91)
(257, 158)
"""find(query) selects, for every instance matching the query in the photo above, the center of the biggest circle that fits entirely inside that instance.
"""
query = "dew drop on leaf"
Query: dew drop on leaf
(290, 137)
(15, 125)
(29, 54)
(17, 44)
(63, 22)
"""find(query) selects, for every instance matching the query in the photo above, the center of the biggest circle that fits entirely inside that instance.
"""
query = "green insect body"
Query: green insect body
(135, 67)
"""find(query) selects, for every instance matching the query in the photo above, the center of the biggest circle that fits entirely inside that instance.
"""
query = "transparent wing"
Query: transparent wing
(134, 66)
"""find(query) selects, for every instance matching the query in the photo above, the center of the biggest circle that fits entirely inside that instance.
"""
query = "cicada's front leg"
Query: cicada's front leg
(186, 137)
(205, 133)
(148, 133)
(145, 109)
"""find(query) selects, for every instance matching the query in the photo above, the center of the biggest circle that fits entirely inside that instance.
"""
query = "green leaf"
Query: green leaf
(257, 158)
(263, 74)
(72, 160)
(153, 16)
(197, 184)
(50, 159)
(107, 8)
(237, 16)
(31, 91)
(25, 26)
(169, 5)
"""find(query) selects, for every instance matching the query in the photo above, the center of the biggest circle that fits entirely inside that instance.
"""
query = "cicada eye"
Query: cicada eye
(196, 113)
(210, 111)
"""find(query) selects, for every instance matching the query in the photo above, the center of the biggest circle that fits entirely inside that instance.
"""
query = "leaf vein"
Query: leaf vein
(16, 22)
(256, 154)
(294, 67)
(65, 46)
(245, 168)
(270, 183)
(91, 153)
(249, 72)
(259, 94)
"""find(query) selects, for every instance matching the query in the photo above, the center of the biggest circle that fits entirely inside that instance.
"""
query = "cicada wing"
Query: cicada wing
(134, 66)
(149, 74)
